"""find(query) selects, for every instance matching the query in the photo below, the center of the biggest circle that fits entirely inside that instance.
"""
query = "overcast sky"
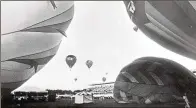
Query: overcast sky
(100, 31)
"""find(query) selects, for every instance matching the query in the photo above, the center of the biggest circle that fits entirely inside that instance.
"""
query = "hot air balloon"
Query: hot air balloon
(106, 73)
(171, 24)
(89, 63)
(104, 79)
(75, 79)
(71, 60)
(135, 28)
(149, 80)
(31, 33)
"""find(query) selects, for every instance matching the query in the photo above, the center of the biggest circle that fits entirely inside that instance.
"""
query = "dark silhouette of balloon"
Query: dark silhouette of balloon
(106, 73)
(104, 79)
(71, 60)
(89, 63)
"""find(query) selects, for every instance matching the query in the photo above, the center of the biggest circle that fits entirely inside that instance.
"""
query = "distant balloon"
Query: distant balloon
(75, 79)
(135, 28)
(71, 60)
(89, 63)
(106, 73)
(104, 79)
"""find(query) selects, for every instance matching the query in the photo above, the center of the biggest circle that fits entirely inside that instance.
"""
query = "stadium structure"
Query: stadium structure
(102, 89)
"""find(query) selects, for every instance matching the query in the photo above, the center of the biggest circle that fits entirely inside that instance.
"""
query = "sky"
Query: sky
(100, 31)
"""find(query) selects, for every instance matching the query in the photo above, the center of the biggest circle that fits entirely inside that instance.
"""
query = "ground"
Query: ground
(64, 103)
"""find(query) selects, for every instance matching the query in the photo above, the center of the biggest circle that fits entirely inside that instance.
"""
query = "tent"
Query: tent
(83, 97)
(30, 89)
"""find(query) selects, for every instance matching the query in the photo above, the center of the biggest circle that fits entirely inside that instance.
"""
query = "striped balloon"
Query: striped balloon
(170, 23)
(30, 37)
(150, 80)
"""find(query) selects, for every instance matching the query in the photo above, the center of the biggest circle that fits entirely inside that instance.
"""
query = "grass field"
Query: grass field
(97, 104)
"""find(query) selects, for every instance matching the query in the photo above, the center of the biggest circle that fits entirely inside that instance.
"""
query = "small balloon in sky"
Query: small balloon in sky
(104, 79)
(89, 63)
(75, 79)
(70, 60)
(135, 28)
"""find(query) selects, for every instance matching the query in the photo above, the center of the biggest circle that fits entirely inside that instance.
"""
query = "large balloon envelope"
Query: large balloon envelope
(153, 80)
(70, 60)
(30, 38)
(89, 63)
(172, 24)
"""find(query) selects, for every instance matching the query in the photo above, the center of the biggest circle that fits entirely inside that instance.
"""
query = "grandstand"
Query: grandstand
(102, 89)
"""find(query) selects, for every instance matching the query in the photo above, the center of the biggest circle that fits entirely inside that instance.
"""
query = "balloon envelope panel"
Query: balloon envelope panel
(153, 80)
